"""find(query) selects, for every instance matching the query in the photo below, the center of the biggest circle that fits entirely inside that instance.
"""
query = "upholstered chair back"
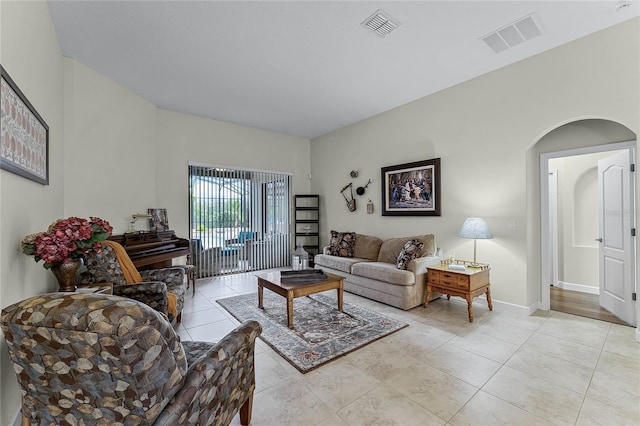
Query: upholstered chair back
(75, 352)
(102, 267)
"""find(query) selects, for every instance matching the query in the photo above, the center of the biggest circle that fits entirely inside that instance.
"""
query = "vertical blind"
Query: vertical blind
(239, 219)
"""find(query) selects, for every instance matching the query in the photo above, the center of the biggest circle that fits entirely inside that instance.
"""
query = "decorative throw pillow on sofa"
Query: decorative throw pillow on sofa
(410, 251)
(342, 244)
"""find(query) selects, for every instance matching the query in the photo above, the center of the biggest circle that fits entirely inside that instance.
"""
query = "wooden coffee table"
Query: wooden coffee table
(290, 291)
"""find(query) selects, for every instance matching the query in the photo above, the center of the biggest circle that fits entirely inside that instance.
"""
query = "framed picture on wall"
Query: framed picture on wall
(411, 189)
(24, 135)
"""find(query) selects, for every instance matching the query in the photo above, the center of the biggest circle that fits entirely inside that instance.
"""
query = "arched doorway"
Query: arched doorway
(579, 141)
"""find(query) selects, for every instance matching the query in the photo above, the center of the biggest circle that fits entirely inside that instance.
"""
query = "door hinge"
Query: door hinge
(633, 232)
(633, 296)
(632, 167)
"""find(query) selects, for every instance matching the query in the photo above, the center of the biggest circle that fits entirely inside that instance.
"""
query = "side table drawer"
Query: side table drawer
(454, 284)
(443, 278)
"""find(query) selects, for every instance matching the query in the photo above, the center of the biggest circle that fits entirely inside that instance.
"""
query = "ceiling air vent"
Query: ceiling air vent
(517, 32)
(381, 23)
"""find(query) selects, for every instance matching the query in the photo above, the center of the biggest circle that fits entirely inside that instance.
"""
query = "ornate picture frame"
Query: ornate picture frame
(24, 135)
(411, 189)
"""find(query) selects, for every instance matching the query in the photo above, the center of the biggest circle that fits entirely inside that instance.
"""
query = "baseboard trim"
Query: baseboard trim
(512, 306)
(17, 418)
(578, 287)
(533, 308)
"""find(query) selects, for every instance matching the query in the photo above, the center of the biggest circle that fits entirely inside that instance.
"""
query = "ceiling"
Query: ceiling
(306, 68)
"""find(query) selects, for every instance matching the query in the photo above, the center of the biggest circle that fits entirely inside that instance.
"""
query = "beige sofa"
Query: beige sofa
(372, 271)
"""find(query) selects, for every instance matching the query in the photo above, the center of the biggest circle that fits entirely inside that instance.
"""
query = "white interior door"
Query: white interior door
(617, 246)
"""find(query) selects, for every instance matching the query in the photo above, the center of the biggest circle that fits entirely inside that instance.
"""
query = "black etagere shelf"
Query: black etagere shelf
(307, 223)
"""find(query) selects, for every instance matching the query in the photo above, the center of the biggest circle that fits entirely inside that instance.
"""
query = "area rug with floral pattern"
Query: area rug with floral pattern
(321, 333)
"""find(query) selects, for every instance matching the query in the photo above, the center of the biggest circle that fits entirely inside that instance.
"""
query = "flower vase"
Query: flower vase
(67, 274)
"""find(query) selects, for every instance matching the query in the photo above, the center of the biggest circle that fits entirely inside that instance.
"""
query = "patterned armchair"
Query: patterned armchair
(104, 267)
(98, 359)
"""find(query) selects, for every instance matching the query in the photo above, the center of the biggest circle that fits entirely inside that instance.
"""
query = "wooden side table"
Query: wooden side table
(467, 283)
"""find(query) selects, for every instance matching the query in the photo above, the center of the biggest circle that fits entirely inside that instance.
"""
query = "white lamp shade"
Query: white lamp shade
(475, 228)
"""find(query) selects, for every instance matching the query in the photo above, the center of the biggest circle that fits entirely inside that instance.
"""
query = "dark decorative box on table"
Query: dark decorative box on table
(303, 276)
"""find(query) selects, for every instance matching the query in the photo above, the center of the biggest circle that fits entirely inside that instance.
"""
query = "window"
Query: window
(239, 219)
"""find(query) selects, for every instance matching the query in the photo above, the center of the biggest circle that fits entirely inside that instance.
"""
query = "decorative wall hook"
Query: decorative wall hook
(353, 174)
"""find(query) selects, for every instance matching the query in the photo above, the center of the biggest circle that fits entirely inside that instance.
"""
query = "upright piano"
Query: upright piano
(153, 249)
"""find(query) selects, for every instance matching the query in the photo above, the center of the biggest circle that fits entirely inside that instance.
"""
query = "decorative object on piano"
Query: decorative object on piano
(159, 220)
(24, 138)
(134, 218)
(351, 202)
(63, 245)
(299, 259)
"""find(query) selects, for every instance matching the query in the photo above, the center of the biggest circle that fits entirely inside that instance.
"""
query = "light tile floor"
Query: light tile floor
(505, 368)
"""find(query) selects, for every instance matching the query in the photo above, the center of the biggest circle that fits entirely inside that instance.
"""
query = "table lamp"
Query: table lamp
(476, 228)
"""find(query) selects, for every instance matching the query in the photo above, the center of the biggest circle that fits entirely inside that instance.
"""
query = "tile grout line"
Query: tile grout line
(584, 398)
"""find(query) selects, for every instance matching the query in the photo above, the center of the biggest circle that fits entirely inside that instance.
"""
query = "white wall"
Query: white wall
(124, 155)
(483, 131)
(29, 51)
(181, 138)
(110, 149)
(136, 155)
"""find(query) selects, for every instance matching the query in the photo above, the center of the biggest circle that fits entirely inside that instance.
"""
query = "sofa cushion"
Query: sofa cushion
(390, 249)
(383, 271)
(367, 247)
(342, 244)
(342, 264)
(410, 251)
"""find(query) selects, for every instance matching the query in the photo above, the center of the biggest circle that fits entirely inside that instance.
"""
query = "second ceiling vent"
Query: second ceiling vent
(517, 32)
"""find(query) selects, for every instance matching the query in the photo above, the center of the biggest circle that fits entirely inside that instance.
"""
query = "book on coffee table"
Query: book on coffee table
(303, 276)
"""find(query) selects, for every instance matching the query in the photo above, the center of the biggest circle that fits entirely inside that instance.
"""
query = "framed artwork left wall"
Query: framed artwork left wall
(24, 135)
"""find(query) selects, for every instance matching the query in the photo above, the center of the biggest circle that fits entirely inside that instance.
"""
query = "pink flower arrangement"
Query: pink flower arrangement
(67, 240)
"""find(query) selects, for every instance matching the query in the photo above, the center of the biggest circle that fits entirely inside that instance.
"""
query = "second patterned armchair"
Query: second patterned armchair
(151, 287)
